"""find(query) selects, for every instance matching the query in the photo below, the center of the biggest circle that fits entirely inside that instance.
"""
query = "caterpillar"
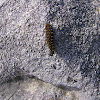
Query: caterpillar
(50, 38)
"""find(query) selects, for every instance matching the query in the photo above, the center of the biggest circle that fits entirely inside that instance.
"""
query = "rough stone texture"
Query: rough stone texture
(35, 89)
(76, 62)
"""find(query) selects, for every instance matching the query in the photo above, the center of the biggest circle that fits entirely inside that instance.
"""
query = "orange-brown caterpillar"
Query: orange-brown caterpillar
(50, 38)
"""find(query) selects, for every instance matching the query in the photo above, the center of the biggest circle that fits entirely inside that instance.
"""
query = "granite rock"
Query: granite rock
(23, 49)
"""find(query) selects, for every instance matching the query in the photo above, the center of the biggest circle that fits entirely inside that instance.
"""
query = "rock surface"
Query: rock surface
(23, 49)
(35, 89)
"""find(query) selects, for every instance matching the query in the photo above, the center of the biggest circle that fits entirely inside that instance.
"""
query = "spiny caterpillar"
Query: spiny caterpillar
(50, 38)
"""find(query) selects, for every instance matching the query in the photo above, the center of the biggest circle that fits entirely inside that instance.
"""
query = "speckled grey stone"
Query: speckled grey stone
(76, 62)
